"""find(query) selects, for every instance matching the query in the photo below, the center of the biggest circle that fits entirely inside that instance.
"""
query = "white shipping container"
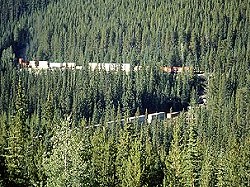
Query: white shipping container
(78, 67)
(43, 64)
(141, 118)
(32, 64)
(137, 119)
(69, 65)
(132, 119)
(109, 66)
(55, 65)
(161, 116)
(173, 114)
(152, 117)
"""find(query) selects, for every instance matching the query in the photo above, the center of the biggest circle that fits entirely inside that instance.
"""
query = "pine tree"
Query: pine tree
(21, 105)
(103, 153)
(192, 159)
(151, 164)
(175, 160)
(134, 166)
(207, 177)
(123, 148)
(64, 166)
(3, 145)
(15, 153)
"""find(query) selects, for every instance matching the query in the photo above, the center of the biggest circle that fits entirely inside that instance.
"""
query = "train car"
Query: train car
(39, 64)
(161, 116)
(172, 114)
(55, 65)
(69, 65)
(152, 117)
(23, 63)
(137, 119)
(176, 69)
(141, 118)
(156, 116)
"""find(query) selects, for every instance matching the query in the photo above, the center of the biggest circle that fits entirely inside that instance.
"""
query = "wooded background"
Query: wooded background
(43, 115)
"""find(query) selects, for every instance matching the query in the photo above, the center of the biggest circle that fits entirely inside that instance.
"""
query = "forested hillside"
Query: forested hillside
(48, 133)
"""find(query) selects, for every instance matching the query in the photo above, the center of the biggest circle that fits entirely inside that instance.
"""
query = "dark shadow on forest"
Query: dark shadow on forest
(19, 46)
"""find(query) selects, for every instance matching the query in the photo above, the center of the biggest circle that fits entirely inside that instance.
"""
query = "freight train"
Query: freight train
(150, 118)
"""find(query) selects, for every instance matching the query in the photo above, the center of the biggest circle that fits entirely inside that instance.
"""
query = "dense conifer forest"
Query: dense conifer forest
(48, 119)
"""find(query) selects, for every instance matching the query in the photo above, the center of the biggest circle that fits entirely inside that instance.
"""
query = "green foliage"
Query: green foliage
(64, 165)
(103, 156)
(175, 160)
(14, 156)
(48, 119)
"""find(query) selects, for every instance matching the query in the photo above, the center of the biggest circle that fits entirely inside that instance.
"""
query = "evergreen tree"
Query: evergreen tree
(64, 166)
(15, 152)
(175, 160)
(192, 159)
(134, 166)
